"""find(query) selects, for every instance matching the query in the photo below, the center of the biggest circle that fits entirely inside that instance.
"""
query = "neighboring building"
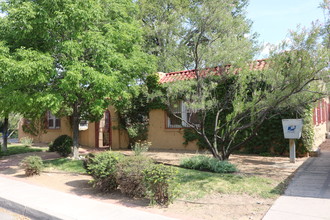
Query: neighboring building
(165, 132)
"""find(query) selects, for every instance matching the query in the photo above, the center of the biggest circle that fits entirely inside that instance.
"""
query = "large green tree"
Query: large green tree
(163, 27)
(18, 93)
(325, 5)
(95, 47)
(232, 104)
(178, 31)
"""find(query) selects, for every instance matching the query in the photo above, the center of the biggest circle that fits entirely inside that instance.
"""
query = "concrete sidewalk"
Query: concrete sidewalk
(308, 194)
(42, 203)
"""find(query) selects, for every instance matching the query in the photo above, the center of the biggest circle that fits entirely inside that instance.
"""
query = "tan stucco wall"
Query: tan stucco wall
(160, 136)
(165, 138)
(321, 129)
(50, 135)
(319, 134)
(86, 138)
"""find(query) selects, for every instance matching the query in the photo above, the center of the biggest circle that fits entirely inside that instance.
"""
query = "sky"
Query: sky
(272, 19)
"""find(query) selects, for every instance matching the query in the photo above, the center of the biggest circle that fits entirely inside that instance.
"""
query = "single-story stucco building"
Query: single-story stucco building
(164, 132)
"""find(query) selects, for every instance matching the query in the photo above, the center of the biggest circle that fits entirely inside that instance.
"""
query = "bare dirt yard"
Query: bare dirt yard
(211, 206)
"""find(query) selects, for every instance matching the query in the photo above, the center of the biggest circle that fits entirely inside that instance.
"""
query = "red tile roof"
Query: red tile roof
(190, 74)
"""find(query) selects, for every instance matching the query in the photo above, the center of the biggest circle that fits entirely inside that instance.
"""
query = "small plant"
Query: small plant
(88, 160)
(102, 167)
(206, 163)
(32, 165)
(27, 141)
(140, 147)
(62, 145)
(159, 183)
(130, 175)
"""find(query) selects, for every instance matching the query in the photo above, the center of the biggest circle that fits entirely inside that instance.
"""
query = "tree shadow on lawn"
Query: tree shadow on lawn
(258, 162)
(8, 170)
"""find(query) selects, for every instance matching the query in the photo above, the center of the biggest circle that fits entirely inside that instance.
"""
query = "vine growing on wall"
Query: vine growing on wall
(134, 110)
(35, 126)
(270, 139)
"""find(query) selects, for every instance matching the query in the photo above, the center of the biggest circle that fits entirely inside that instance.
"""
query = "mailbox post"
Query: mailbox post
(292, 130)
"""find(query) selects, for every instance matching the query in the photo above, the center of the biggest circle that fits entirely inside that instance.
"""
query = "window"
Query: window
(179, 109)
(53, 121)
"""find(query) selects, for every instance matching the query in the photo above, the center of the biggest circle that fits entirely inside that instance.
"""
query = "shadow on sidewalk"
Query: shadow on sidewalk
(312, 179)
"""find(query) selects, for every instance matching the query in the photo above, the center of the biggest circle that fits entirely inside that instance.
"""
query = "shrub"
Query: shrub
(32, 165)
(141, 147)
(202, 162)
(27, 141)
(102, 167)
(159, 183)
(130, 175)
(88, 160)
(62, 145)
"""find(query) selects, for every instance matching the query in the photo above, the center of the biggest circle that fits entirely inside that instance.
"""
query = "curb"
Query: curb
(25, 210)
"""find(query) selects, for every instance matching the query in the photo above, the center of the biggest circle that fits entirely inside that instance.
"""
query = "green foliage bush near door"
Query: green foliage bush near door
(62, 145)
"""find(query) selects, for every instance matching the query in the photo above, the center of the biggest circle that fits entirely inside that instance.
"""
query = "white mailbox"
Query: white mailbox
(292, 128)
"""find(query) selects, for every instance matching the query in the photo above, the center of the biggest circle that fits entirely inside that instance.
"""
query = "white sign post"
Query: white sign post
(292, 130)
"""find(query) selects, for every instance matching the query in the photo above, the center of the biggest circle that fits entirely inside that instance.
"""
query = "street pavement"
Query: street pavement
(308, 194)
(10, 140)
(5, 216)
(38, 202)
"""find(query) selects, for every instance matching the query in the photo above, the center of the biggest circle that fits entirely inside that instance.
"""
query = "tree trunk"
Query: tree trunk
(75, 125)
(5, 134)
(226, 156)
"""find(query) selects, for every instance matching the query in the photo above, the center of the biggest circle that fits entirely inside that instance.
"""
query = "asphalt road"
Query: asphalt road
(10, 140)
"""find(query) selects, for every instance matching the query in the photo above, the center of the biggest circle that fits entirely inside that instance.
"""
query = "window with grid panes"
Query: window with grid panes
(53, 121)
(179, 109)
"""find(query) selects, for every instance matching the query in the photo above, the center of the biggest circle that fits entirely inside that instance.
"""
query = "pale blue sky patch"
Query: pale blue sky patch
(273, 19)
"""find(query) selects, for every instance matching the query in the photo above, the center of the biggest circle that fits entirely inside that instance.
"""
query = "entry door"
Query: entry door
(103, 131)
(106, 133)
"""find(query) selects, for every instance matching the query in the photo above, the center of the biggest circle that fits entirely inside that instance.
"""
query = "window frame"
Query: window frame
(55, 120)
(184, 115)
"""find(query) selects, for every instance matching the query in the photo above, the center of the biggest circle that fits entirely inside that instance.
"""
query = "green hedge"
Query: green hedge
(206, 163)
(269, 139)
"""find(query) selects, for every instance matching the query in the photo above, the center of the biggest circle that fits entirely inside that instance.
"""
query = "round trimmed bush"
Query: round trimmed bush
(62, 145)
(160, 185)
(102, 167)
(130, 176)
(32, 165)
